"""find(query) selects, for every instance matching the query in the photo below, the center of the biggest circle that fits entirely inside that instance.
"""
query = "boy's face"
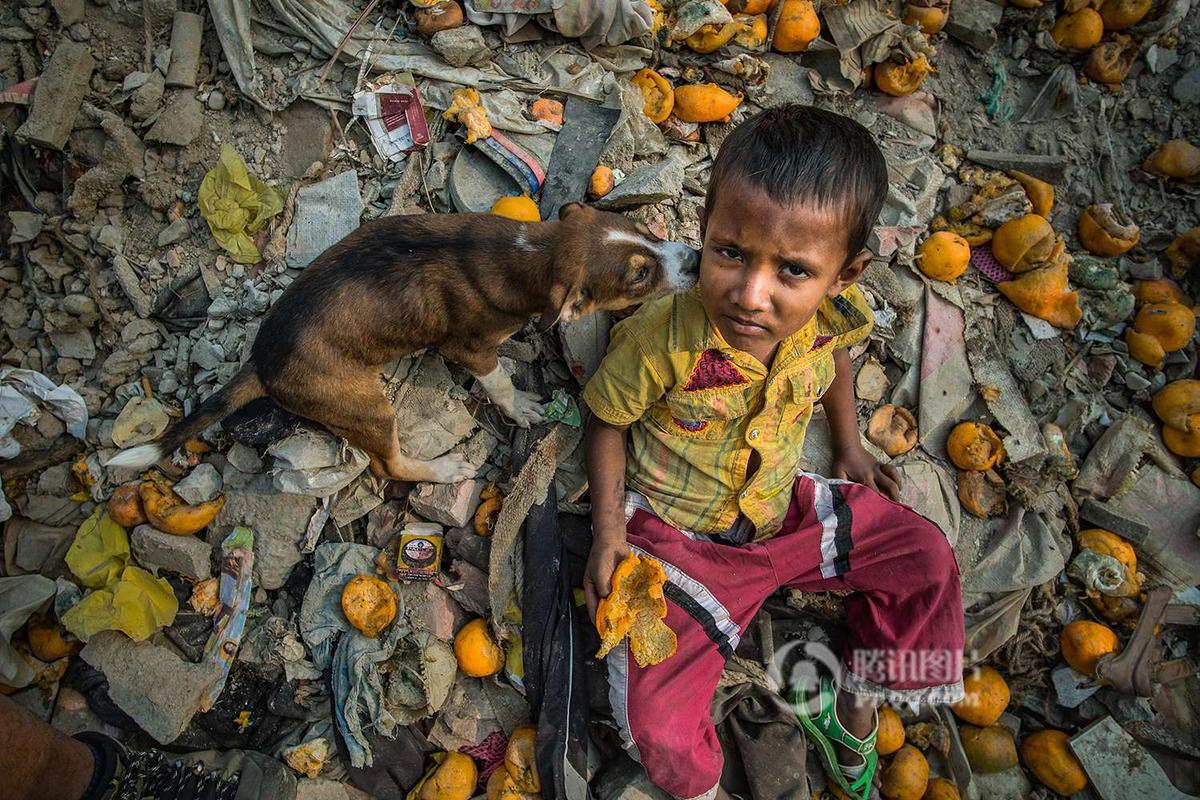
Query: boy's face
(766, 267)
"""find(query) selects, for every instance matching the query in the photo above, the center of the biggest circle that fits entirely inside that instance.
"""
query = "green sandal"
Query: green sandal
(824, 728)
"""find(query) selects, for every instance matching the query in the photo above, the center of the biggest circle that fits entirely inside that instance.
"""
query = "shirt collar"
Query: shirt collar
(836, 317)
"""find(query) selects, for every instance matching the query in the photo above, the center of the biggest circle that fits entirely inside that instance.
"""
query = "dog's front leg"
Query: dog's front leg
(521, 407)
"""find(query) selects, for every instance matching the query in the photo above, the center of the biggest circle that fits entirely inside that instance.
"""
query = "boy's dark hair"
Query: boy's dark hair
(803, 154)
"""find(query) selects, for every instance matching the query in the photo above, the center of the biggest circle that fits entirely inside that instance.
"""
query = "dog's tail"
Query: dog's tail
(241, 389)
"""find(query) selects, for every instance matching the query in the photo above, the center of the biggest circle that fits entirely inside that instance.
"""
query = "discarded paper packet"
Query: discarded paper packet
(394, 117)
(419, 551)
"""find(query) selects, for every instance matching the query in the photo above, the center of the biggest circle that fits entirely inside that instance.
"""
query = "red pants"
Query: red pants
(905, 618)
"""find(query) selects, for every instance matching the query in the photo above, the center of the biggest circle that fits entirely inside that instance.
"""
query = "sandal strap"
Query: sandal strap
(831, 726)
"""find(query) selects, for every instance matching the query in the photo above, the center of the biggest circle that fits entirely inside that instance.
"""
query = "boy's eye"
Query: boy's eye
(731, 253)
(794, 271)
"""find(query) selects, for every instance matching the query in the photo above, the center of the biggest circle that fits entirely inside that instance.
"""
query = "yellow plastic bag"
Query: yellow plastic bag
(137, 604)
(125, 598)
(99, 552)
(236, 204)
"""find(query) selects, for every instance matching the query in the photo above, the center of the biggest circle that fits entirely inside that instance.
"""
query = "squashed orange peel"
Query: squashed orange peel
(636, 607)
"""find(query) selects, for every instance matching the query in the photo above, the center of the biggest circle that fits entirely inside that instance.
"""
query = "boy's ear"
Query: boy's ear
(851, 272)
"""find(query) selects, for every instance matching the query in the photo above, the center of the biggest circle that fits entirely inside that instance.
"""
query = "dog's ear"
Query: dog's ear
(571, 208)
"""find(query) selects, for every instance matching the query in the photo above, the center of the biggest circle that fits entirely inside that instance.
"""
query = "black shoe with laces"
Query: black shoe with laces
(124, 774)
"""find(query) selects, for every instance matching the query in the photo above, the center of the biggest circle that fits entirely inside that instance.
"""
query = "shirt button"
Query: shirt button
(754, 433)
(745, 494)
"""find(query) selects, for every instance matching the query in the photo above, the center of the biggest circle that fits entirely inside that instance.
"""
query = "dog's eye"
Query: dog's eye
(640, 275)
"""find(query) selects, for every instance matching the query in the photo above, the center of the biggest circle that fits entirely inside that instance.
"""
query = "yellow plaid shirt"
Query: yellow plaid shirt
(697, 407)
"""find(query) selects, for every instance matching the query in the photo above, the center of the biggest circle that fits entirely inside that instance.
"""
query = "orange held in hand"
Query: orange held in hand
(636, 607)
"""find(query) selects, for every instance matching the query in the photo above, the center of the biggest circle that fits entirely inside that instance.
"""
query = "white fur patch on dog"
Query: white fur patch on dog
(521, 243)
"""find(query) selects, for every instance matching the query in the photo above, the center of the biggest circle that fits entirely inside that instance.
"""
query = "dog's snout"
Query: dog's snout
(691, 260)
(683, 266)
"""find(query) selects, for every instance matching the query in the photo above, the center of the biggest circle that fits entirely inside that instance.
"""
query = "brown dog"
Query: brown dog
(457, 283)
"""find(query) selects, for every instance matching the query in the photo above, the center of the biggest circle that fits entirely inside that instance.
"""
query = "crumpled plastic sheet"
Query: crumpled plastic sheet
(124, 597)
(323, 23)
(593, 22)
(235, 204)
(1025, 550)
(20, 597)
(315, 463)
(692, 15)
(20, 390)
(321, 617)
(358, 686)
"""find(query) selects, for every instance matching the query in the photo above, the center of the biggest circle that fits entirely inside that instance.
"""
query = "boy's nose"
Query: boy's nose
(754, 293)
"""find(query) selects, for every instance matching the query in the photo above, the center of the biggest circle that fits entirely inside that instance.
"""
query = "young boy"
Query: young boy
(699, 412)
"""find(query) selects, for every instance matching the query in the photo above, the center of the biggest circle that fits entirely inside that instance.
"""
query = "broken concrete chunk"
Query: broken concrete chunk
(59, 93)
(74, 344)
(278, 521)
(180, 122)
(974, 23)
(187, 33)
(186, 555)
(26, 226)
(157, 688)
(326, 212)
(1118, 766)
(462, 46)
(142, 302)
(69, 11)
(201, 484)
(653, 183)
(451, 504)
(148, 96)
(177, 231)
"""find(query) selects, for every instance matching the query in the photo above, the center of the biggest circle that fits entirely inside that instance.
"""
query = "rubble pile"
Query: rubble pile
(169, 168)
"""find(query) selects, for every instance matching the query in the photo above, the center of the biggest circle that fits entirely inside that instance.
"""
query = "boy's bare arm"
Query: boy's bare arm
(851, 461)
(604, 448)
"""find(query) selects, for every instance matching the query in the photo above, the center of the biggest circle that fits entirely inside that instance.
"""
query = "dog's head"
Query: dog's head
(616, 262)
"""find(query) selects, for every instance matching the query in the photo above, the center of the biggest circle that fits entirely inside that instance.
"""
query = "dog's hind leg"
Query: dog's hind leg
(363, 416)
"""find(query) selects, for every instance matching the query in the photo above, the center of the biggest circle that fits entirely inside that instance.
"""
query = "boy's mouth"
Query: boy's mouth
(745, 327)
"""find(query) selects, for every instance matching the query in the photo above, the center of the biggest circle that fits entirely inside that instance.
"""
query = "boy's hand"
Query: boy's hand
(856, 464)
(607, 552)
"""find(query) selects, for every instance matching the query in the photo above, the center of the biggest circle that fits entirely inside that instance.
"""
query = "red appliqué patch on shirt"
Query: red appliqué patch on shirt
(820, 341)
(714, 371)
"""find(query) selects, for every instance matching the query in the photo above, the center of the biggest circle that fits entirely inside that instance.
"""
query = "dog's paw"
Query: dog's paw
(451, 468)
(526, 409)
